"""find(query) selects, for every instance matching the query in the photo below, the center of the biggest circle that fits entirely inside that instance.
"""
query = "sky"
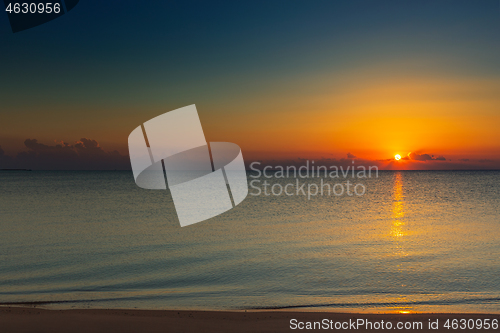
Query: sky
(285, 80)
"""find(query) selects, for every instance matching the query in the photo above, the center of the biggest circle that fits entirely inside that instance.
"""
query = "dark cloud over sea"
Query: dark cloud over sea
(85, 154)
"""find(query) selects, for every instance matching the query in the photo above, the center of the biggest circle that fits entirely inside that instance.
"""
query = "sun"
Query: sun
(397, 157)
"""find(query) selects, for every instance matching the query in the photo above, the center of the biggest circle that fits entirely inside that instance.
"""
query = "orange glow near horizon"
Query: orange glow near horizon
(366, 112)
(372, 118)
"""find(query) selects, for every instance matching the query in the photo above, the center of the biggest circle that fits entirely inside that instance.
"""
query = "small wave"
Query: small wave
(379, 304)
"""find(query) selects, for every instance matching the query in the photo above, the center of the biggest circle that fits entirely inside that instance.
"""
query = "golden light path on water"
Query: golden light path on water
(397, 228)
(398, 232)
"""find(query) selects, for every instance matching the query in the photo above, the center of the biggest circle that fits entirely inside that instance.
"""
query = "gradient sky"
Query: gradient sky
(282, 79)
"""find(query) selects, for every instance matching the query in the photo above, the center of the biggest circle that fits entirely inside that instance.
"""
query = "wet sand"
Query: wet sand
(17, 319)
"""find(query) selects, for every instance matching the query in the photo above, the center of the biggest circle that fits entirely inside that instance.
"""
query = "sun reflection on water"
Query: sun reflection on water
(397, 227)
(398, 232)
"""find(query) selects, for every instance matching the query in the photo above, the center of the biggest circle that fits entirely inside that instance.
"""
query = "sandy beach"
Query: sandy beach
(18, 319)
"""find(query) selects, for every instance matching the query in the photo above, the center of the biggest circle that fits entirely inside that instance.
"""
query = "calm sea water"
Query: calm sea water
(416, 241)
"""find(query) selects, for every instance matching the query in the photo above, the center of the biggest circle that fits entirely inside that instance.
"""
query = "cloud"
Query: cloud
(6, 162)
(424, 157)
(85, 154)
(349, 155)
(417, 157)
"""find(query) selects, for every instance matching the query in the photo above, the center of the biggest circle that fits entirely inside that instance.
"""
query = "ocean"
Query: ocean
(414, 241)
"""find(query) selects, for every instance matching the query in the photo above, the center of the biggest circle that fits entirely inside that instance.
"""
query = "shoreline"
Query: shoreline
(32, 319)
